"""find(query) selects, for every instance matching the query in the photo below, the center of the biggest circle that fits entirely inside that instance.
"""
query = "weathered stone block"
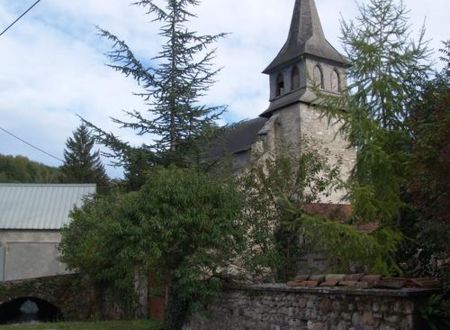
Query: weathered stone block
(309, 284)
(311, 303)
(346, 316)
(368, 319)
(342, 325)
(329, 283)
(353, 277)
(302, 302)
(356, 319)
(349, 284)
(375, 307)
(335, 277)
(392, 318)
(336, 305)
(318, 278)
(319, 326)
(372, 279)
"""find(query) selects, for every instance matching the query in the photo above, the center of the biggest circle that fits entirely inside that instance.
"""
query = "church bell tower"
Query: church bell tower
(307, 61)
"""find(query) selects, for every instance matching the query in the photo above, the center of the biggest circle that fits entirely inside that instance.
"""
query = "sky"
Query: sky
(53, 63)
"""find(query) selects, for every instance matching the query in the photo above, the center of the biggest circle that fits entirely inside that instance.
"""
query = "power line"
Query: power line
(29, 144)
(26, 12)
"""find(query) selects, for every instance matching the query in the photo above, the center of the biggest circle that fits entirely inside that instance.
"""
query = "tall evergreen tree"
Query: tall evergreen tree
(387, 66)
(81, 163)
(172, 86)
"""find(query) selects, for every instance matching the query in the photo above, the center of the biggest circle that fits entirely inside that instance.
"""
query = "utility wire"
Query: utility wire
(29, 144)
(26, 12)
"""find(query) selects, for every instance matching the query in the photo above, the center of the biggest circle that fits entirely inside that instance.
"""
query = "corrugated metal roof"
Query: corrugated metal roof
(40, 206)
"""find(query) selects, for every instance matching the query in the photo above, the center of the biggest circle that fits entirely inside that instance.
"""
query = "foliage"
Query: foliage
(430, 127)
(136, 161)
(181, 225)
(81, 164)
(97, 243)
(193, 232)
(386, 65)
(386, 68)
(269, 182)
(436, 313)
(283, 226)
(19, 169)
(346, 248)
(428, 191)
(171, 88)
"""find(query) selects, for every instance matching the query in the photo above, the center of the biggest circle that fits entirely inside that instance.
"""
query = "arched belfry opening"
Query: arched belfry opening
(295, 78)
(28, 309)
(318, 77)
(280, 85)
(335, 81)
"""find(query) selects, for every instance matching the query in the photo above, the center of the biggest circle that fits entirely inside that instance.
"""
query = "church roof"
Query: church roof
(305, 37)
(237, 138)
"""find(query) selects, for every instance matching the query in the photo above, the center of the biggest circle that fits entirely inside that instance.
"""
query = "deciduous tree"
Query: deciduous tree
(282, 211)
(19, 169)
(182, 225)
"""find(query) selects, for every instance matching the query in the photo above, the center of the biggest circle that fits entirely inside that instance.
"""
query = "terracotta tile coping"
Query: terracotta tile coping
(281, 287)
(364, 281)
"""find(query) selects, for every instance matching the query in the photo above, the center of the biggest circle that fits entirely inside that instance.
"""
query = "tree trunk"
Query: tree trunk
(177, 308)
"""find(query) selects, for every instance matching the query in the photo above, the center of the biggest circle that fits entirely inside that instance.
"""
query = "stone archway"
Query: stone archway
(28, 309)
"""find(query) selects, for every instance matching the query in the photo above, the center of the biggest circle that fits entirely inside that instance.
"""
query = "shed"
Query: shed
(31, 217)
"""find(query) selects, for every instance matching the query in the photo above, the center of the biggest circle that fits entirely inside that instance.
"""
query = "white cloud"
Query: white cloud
(52, 62)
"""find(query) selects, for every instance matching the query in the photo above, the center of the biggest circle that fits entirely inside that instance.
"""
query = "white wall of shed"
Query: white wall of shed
(30, 254)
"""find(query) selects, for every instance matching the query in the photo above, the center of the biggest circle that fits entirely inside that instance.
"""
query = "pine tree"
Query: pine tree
(81, 164)
(173, 88)
(387, 68)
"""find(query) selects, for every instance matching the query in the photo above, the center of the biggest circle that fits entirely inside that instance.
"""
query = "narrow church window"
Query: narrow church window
(335, 82)
(280, 85)
(295, 78)
(318, 77)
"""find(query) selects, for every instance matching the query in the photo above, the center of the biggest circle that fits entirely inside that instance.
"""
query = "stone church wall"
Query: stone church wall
(328, 138)
(277, 307)
(300, 121)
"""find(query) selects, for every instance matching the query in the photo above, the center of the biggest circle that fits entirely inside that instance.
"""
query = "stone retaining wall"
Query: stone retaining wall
(73, 295)
(277, 307)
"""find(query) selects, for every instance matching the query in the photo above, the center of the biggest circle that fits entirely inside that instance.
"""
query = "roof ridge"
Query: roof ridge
(7, 184)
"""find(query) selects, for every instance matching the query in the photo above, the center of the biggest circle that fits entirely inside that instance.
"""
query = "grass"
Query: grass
(113, 325)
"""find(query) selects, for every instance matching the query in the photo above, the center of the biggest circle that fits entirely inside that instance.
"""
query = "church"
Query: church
(307, 61)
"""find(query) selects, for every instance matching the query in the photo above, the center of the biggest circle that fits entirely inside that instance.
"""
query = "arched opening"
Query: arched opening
(280, 85)
(335, 82)
(295, 78)
(318, 77)
(28, 309)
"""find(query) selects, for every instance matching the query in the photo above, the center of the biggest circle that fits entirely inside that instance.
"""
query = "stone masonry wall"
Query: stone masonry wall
(74, 296)
(277, 307)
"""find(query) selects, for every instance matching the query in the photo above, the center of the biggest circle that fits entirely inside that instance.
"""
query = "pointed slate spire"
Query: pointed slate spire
(305, 37)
